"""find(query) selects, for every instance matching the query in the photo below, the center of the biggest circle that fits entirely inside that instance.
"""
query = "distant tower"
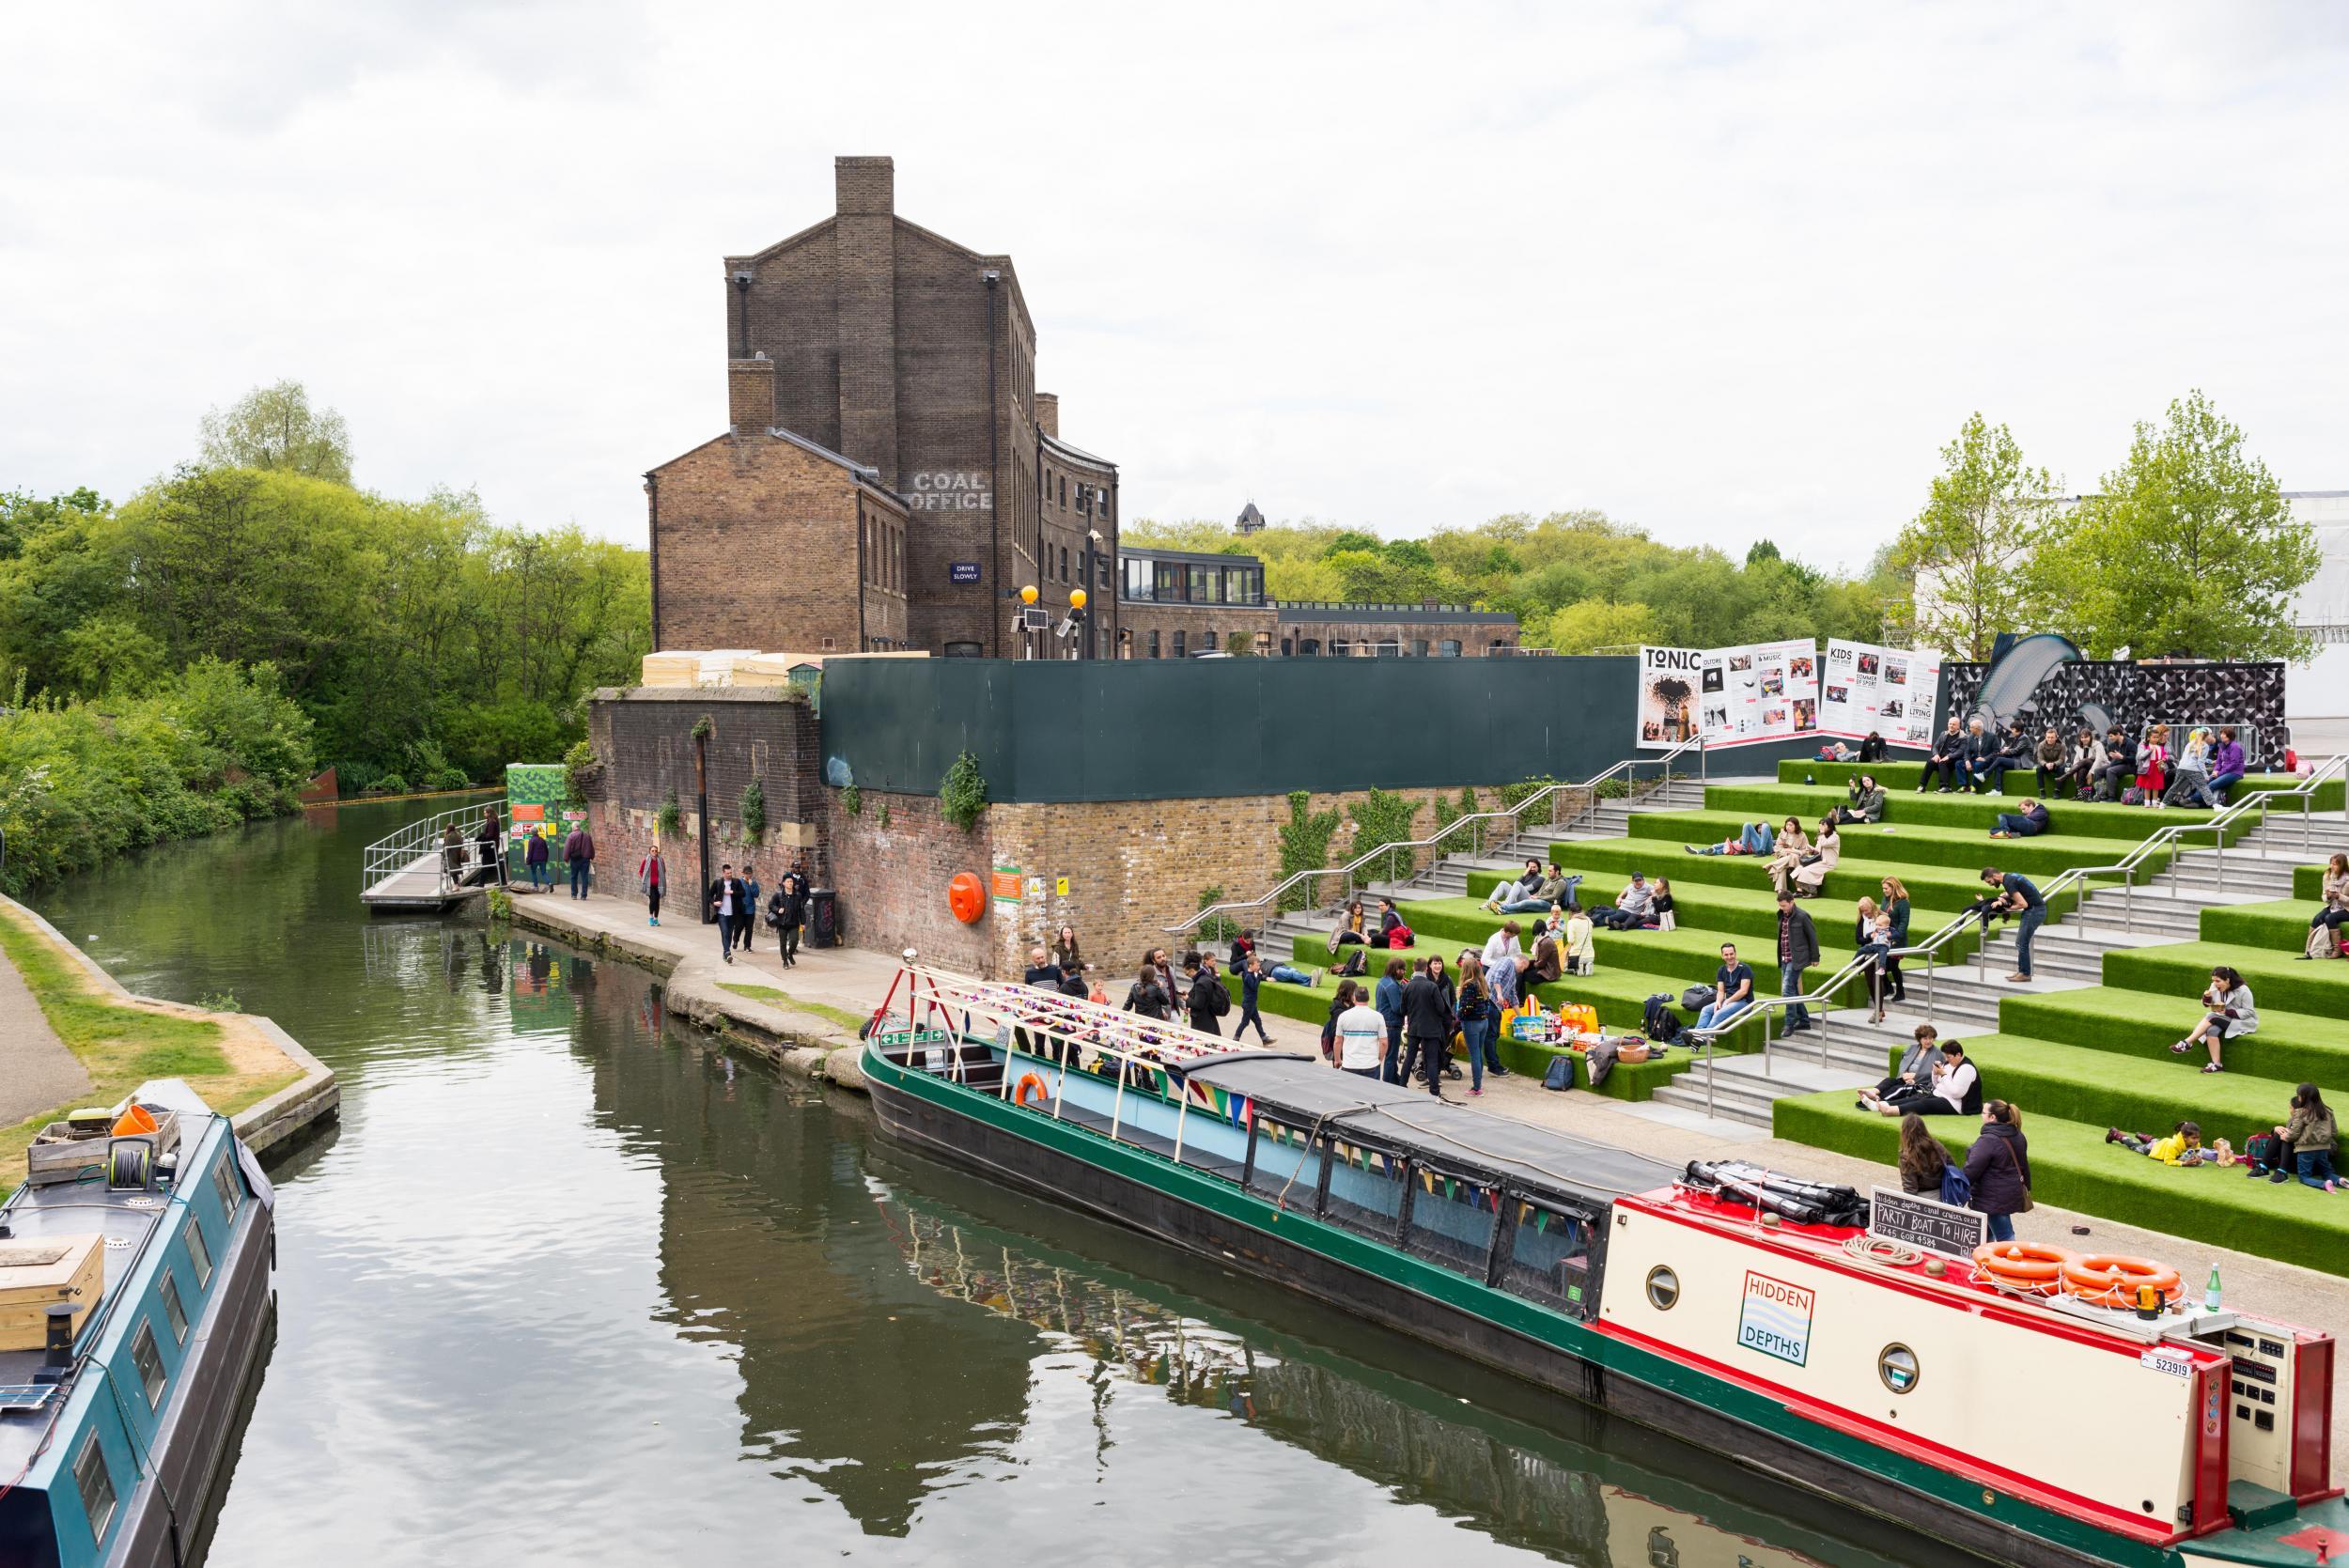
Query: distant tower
(1250, 520)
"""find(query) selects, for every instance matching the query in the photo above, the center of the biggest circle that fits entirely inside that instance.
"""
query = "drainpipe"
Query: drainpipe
(700, 808)
(862, 642)
(652, 509)
(994, 475)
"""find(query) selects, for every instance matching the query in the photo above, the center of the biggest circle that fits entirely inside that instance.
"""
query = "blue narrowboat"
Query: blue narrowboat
(135, 1300)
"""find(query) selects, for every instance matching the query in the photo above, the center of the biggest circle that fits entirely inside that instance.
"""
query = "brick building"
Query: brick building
(1173, 604)
(884, 410)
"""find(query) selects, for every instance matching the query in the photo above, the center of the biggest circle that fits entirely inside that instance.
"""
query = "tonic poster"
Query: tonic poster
(1668, 696)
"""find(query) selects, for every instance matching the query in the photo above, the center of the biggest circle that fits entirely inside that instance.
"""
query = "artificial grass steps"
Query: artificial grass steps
(1691, 951)
(2279, 926)
(2288, 1048)
(1906, 775)
(2072, 1165)
(2047, 855)
(1975, 814)
(2277, 979)
(1747, 911)
(1855, 876)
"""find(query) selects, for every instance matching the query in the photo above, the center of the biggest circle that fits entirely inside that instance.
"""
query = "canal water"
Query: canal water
(571, 1283)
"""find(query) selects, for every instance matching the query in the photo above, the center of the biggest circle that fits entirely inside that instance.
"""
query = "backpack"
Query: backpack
(1958, 1188)
(2132, 796)
(1399, 938)
(1696, 998)
(1218, 999)
(1560, 1074)
(2323, 943)
(1656, 1020)
(2263, 1150)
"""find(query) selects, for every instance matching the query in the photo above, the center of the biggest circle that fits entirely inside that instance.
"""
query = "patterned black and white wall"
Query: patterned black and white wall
(2138, 697)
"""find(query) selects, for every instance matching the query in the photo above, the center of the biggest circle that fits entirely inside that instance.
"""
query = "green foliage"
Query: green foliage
(962, 793)
(883, 818)
(579, 764)
(1983, 523)
(2190, 546)
(80, 782)
(1304, 845)
(1382, 818)
(702, 728)
(1215, 929)
(852, 801)
(1471, 841)
(219, 1001)
(501, 905)
(670, 819)
(273, 427)
(754, 810)
(391, 623)
(389, 784)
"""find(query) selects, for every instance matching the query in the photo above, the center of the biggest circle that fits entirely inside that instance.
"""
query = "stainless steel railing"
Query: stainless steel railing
(1627, 770)
(404, 850)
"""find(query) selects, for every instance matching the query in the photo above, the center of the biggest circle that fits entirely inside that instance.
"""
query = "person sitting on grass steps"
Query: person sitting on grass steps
(2049, 759)
(1351, 932)
(2190, 781)
(2015, 752)
(1630, 910)
(1809, 871)
(1949, 757)
(2308, 1138)
(2028, 821)
(2184, 1146)
(1754, 838)
(1732, 990)
(1915, 1072)
(2331, 914)
(1980, 757)
(1510, 894)
(1957, 1090)
(1866, 802)
(2227, 1014)
(2226, 765)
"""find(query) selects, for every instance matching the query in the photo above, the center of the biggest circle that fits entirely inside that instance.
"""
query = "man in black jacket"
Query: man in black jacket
(1797, 950)
(1428, 1022)
(1206, 1000)
(787, 910)
(2120, 765)
(730, 901)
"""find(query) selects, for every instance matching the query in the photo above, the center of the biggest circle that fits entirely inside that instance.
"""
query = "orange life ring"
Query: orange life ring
(2024, 1265)
(2107, 1279)
(966, 897)
(1028, 1081)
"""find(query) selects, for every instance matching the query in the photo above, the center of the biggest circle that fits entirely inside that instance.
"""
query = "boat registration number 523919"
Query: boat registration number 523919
(1775, 1318)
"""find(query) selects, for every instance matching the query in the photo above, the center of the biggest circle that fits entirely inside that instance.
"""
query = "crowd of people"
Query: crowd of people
(1971, 756)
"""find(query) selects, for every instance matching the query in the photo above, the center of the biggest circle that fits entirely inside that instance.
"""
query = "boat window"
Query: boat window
(198, 1252)
(151, 1364)
(91, 1477)
(1551, 1256)
(1365, 1189)
(1283, 1164)
(1451, 1221)
(172, 1309)
(231, 1191)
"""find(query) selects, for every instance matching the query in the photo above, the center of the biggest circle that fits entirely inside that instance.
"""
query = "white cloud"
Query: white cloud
(1722, 270)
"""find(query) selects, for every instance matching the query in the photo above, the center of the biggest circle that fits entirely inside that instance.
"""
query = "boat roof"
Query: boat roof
(1538, 1159)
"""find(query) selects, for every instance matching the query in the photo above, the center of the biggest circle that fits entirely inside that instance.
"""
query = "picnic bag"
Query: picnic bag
(1581, 1016)
(1560, 1074)
(2322, 942)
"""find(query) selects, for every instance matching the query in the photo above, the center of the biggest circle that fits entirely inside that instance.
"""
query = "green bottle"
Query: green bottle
(2210, 1292)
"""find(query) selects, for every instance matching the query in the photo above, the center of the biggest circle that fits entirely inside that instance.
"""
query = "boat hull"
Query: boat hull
(192, 1454)
(923, 1114)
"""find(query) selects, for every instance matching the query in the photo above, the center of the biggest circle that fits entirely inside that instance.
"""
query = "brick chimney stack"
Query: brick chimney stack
(751, 396)
(865, 234)
(1048, 414)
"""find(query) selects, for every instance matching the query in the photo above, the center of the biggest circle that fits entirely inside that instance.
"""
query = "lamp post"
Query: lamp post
(1027, 634)
(1079, 626)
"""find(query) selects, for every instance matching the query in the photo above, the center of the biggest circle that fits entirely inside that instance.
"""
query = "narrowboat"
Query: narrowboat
(136, 1298)
(1751, 1314)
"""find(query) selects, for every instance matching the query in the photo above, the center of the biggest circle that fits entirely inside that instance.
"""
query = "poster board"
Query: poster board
(1925, 1223)
(1668, 696)
(538, 795)
(1758, 692)
(1873, 689)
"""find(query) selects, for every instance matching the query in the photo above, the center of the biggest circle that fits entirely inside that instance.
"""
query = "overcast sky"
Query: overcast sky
(1725, 271)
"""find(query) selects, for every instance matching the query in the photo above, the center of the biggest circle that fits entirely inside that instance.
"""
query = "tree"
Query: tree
(2190, 546)
(272, 426)
(1594, 623)
(1971, 551)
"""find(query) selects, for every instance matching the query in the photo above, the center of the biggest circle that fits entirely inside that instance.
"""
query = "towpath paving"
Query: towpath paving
(855, 981)
(37, 1072)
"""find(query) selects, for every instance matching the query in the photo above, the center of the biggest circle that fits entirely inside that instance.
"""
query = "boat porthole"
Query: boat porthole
(1663, 1288)
(1897, 1366)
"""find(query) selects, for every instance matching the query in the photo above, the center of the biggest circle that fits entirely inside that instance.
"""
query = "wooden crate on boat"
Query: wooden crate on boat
(36, 1273)
(63, 1150)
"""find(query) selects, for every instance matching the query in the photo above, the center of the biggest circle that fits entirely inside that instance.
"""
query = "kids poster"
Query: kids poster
(1868, 689)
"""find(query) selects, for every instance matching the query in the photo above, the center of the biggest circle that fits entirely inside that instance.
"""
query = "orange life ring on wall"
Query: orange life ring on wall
(966, 897)
(1028, 1081)
(2024, 1265)
(2107, 1280)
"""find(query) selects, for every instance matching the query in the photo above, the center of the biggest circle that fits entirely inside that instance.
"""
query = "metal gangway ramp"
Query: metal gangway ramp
(414, 869)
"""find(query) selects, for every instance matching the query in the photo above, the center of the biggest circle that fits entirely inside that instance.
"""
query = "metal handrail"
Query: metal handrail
(1516, 812)
(1822, 997)
(399, 851)
(2217, 825)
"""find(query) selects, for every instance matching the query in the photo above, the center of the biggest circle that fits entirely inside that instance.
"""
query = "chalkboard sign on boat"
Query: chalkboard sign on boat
(1925, 1222)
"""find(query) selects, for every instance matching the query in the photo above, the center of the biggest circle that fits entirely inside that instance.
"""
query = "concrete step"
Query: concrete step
(1743, 1088)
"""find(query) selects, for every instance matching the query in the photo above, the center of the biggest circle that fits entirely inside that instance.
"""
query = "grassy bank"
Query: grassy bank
(121, 1045)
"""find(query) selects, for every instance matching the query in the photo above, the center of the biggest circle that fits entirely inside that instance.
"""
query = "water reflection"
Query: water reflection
(570, 1285)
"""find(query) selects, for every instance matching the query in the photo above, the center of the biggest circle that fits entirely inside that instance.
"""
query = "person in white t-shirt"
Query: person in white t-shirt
(1501, 951)
(1362, 1039)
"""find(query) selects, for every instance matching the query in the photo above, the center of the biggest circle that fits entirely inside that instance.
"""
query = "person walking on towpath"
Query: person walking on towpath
(490, 851)
(1250, 982)
(730, 901)
(535, 860)
(789, 908)
(578, 851)
(652, 880)
(750, 910)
